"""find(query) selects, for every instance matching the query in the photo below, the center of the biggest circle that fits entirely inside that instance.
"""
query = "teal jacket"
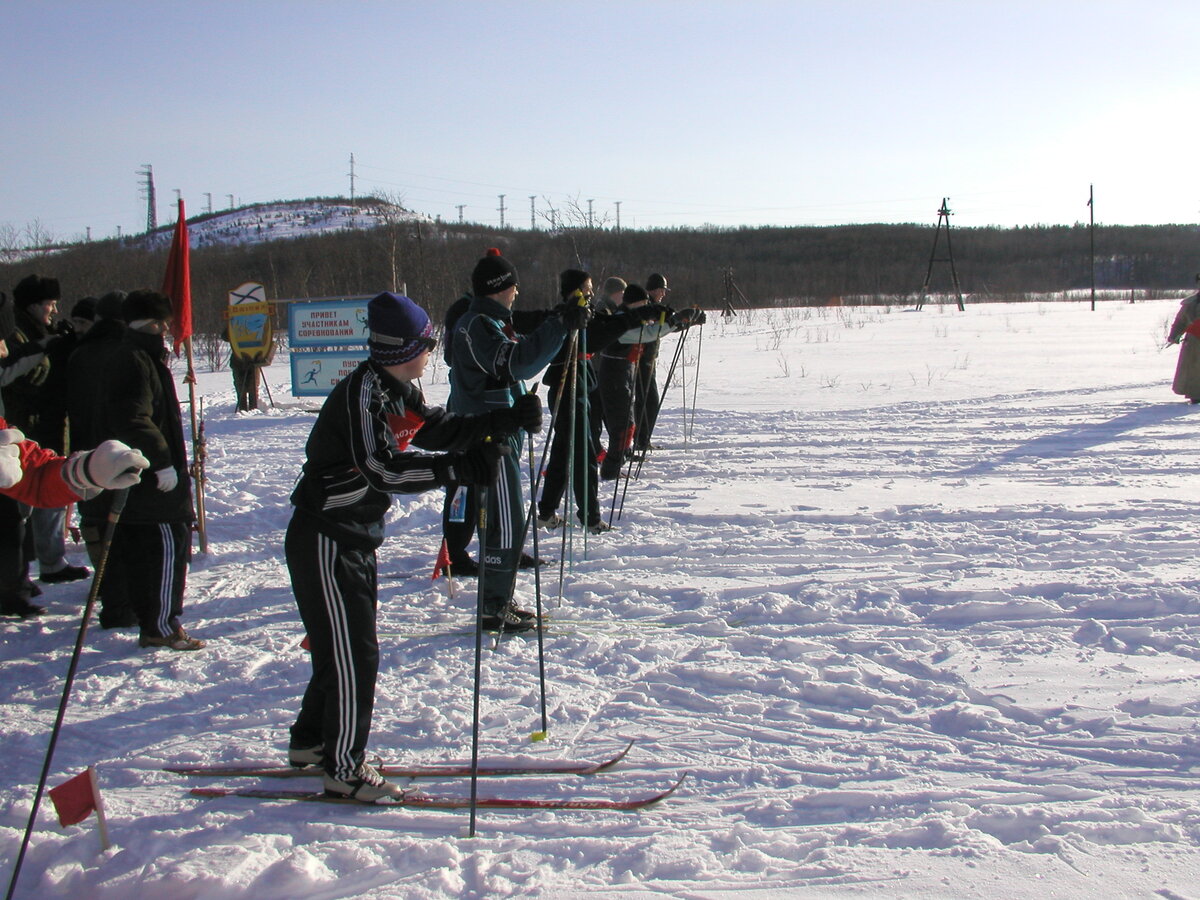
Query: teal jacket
(491, 359)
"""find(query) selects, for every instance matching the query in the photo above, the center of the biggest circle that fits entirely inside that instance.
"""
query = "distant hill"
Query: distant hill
(284, 220)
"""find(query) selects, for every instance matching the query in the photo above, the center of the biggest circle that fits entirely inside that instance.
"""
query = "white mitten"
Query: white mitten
(167, 479)
(111, 466)
(10, 456)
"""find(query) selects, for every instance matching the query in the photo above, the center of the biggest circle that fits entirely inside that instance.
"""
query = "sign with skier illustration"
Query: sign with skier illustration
(314, 373)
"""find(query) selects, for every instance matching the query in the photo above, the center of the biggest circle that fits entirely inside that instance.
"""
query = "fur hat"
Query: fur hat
(493, 274)
(35, 289)
(571, 280)
(146, 304)
(109, 306)
(656, 281)
(399, 328)
(8, 317)
(634, 293)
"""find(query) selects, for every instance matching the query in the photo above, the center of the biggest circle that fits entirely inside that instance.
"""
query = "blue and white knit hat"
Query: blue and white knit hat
(399, 329)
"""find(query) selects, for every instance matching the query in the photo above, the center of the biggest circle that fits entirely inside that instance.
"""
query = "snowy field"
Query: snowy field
(915, 605)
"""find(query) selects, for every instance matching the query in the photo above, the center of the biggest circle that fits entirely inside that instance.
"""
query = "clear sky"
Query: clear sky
(686, 113)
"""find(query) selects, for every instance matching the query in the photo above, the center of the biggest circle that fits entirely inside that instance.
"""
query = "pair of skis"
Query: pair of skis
(420, 799)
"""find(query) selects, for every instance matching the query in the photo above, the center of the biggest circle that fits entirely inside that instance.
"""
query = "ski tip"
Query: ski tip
(209, 792)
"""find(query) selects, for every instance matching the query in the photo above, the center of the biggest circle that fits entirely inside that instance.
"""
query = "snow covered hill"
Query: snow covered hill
(292, 219)
(911, 597)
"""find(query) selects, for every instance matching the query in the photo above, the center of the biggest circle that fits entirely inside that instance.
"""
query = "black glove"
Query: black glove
(691, 316)
(575, 312)
(62, 326)
(527, 411)
(480, 466)
(648, 314)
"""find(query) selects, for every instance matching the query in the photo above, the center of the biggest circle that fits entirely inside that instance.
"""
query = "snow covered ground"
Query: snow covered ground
(915, 605)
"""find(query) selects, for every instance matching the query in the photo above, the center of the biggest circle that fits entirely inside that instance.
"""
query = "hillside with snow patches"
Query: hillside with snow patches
(910, 597)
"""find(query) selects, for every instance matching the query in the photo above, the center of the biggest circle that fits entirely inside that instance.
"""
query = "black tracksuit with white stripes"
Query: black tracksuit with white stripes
(357, 456)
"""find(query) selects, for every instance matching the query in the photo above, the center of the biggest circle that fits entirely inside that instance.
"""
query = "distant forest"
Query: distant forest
(770, 266)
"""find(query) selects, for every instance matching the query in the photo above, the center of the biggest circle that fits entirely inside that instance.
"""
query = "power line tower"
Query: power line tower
(731, 289)
(351, 179)
(943, 217)
(502, 210)
(147, 191)
(460, 208)
(532, 213)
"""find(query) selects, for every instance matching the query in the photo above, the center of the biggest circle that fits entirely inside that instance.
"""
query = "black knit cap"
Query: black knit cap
(8, 317)
(109, 306)
(84, 309)
(146, 305)
(571, 280)
(493, 274)
(656, 281)
(634, 293)
(35, 289)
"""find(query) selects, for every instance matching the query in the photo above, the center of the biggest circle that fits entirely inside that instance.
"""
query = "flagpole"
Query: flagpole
(198, 449)
(98, 802)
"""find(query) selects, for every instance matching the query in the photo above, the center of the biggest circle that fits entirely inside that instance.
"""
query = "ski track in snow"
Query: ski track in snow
(913, 604)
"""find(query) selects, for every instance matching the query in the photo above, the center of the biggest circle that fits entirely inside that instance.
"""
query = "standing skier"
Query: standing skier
(358, 454)
(491, 360)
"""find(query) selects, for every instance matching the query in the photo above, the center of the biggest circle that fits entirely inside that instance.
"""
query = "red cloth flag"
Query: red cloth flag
(443, 562)
(305, 644)
(75, 799)
(177, 283)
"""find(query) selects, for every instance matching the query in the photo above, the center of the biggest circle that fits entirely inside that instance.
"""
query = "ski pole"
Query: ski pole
(696, 379)
(483, 506)
(537, 593)
(114, 515)
(666, 387)
(571, 384)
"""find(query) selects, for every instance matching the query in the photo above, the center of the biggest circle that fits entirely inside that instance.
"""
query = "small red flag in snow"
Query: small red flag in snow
(75, 799)
(443, 561)
(305, 645)
(177, 284)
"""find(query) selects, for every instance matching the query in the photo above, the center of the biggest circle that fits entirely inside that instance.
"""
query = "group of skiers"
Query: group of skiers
(96, 383)
(359, 453)
(93, 410)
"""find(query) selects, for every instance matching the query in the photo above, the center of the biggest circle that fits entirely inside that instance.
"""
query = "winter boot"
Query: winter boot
(176, 640)
(365, 785)
(303, 757)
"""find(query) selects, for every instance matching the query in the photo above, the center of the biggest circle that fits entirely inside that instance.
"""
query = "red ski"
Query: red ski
(448, 770)
(418, 800)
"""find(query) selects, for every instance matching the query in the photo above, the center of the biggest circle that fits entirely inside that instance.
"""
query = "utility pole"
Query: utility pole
(230, 196)
(943, 217)
(460, 208)
(618, 206)
(208, 205)
(590, 202)
(532, 214)
(147, 173)
(502, 210)
(351, 179)
(1092, 237)
(89, 234)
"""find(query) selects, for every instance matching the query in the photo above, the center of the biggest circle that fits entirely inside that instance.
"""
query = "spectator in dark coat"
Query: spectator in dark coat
(95, 352)
(130, 395)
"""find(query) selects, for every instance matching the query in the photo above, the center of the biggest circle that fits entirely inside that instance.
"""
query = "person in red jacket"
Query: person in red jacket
(35, 476)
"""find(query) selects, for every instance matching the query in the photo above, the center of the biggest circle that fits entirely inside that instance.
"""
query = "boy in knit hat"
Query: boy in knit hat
(491, 361)
(359, 453)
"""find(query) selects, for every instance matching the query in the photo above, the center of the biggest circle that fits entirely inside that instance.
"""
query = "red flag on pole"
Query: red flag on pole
(75, 799)
(177, 284)
(443, 561)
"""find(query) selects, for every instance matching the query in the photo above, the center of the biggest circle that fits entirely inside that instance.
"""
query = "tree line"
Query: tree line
(771, 266)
